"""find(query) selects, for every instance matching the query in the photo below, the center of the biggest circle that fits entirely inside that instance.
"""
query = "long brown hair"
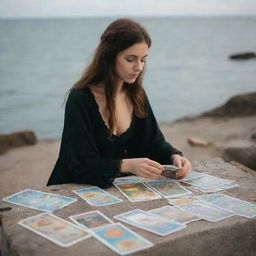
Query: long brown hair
(118, 36)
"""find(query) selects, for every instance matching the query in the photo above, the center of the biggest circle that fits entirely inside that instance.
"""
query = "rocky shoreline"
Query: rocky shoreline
(228, 131)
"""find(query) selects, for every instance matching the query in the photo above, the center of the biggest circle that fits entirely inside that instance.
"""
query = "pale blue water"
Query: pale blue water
(188, 69)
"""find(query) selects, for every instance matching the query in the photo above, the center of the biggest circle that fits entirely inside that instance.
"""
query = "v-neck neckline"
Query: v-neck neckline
(104, 123)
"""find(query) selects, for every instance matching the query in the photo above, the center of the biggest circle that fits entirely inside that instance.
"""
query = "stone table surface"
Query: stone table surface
(232, 236)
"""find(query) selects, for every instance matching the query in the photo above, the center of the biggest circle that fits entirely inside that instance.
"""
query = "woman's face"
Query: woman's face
(130, 62)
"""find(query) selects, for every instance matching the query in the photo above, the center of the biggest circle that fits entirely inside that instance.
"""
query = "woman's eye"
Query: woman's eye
(129, 60)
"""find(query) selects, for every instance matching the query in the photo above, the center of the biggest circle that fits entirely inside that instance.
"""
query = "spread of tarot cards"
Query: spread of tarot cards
(182, 208)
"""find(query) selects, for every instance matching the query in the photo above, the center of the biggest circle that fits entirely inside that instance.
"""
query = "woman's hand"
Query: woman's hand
(183, 164)
(143, 167)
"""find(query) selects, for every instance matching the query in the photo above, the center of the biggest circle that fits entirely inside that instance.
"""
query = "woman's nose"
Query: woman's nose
(139, 66)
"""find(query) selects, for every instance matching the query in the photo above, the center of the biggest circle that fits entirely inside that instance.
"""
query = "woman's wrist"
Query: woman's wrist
(124, 166)
(173, 156)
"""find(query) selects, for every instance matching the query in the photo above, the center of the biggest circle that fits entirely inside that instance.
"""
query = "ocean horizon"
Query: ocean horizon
(188, 70)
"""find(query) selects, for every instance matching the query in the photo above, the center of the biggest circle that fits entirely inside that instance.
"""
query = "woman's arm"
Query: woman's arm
(150, 144)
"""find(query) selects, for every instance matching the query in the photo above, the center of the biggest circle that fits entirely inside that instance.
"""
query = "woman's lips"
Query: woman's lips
(134, 75)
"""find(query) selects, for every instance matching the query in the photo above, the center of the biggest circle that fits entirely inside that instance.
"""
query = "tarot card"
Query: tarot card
(97, 196)
(55, 229)
(205, 211)
(193, 175)
(235, 205)
(219, 188)
(207, 182)
(120, 239)
(182, 200)
(150, 222)
(39, 200)
(169, 167)
(170, 171)
(168, 188)
(174, 213)
(91, 219)
(136, 192)
(129, 179)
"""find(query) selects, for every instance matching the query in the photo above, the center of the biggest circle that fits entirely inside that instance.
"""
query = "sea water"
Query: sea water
(187, 72)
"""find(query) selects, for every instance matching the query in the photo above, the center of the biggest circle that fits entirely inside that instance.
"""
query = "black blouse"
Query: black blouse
(88, 155)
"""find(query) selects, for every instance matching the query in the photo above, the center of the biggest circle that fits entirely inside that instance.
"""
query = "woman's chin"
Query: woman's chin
(130, 81)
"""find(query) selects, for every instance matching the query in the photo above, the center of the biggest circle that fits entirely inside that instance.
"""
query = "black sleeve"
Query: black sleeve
(79, 160)
(150, 140)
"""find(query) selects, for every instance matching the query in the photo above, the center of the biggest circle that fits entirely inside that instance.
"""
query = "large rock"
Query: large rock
(240, 105)
(234, 236)
(243, 155)
(194, 141)
(16, 139)
(243, 56)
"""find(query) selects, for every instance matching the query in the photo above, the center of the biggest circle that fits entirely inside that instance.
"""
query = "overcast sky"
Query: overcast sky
(66, 8)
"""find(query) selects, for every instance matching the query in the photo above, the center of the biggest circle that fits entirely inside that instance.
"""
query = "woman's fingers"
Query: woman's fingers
(150, 175)
(155, 167)
(185, 170)
(144, 167)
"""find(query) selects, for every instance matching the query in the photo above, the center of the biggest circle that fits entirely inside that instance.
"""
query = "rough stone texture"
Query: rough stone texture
(234, 236)
(240, 105)
(243, 155)
(16, 139)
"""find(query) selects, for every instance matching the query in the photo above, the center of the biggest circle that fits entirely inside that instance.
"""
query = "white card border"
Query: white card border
(72, 217)
(208, 219)
(49, 238)
(119, 200)
(123, 219)
(149, 244)
(235, 212)
(139, 200)
(170, 196)
(171, 206)
(35, 208)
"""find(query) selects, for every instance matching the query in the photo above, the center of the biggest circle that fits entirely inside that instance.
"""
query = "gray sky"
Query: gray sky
(66, 8)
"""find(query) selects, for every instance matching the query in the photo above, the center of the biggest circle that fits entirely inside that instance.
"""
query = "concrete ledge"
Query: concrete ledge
(234, 236)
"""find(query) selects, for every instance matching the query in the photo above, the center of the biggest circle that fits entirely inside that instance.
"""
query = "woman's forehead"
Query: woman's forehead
(138, 50)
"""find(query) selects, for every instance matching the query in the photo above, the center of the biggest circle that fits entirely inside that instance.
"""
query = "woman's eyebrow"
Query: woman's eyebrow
(132, 55)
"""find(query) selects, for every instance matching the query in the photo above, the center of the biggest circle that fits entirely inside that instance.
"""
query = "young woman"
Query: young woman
(109, 128)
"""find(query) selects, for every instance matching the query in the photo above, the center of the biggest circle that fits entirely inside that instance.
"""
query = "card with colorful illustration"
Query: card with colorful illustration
(97, 196)
(218, 188)
(91, 219)
(235, 205)
(207, 182)
(205, 211)
(120, 239)
(193, 175)
(136, 192)
(174, 213)
(150, 222)
(55, 229)
(39, 200)
(168, 188)
(129, 179)
(182, 200)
